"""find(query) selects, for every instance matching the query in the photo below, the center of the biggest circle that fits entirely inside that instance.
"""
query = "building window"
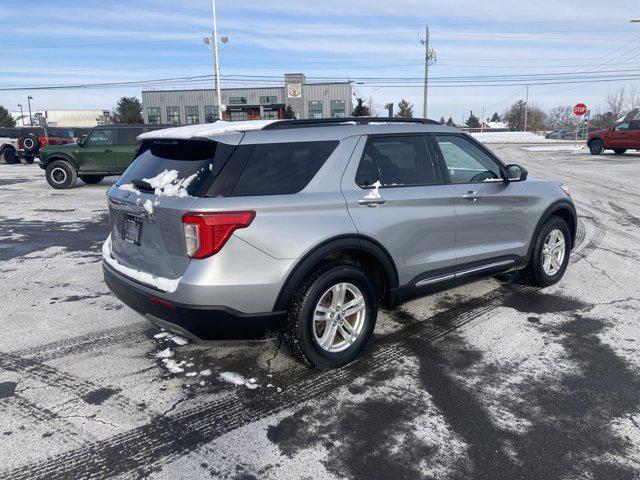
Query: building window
(270, 115)
(210, 113)
(238, 116)
(154, 115)
(173, 115)
(237, 100)
(337, 109)
(268, 99)
(315, 109)
(192, 115)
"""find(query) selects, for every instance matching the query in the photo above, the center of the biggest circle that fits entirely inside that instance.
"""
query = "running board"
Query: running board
(462, 273)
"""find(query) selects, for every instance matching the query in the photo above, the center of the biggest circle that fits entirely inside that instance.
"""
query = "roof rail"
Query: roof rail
(328, 122)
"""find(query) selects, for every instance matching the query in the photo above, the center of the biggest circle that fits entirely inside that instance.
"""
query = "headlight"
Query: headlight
(566, 189)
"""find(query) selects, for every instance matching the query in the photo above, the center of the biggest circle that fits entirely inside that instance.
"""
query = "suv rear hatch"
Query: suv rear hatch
(147, 204)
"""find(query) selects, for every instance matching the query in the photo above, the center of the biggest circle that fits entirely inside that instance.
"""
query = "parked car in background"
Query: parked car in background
(9, 144)
(559, 135)
(105, 150)
(620, 138)
(309, 226)
(32, 139)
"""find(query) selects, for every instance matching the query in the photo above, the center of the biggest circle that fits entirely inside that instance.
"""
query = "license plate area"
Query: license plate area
(131, 229)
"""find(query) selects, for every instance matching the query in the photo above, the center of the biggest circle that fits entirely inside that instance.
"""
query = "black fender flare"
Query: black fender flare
(60, 156)
(590, 141)
(554, 208)
(321, 251)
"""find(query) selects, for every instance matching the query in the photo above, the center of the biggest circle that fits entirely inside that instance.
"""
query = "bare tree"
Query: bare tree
(561, 118)
(616, 102)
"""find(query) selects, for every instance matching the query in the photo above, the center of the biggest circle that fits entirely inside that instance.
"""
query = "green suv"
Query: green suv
(105, 150)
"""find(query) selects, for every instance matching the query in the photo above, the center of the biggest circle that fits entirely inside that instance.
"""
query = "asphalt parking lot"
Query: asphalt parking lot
(489, 380)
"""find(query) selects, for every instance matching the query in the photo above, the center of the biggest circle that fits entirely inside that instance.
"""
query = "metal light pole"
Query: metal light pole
(21, 114)
(215, 60)
(29, 98)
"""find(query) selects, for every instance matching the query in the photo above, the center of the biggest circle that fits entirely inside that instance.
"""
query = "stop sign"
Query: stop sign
(580, 109)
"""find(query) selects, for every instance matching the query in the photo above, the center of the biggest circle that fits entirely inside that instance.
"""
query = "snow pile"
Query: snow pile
(510, 137)
(148, 206)
(127, 187)
(168, 184)
(205, 373)
(238, 379)
(178, 340)
(173, 366)
(206, 130)
(166, 353)
(557, 148)
(161, 335)
(160, 283)
(374, 192)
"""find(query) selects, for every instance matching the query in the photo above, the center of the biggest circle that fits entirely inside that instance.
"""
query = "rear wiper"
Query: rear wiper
(142, 185)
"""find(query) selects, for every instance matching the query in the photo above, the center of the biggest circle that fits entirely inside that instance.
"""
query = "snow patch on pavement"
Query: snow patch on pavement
(239, 380)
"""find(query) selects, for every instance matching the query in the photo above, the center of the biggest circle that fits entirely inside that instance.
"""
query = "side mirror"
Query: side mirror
(516, 173)
(81, 139)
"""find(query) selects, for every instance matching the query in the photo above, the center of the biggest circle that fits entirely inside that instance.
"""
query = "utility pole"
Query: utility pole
(29, 98)
(526, 109)
(429, 55)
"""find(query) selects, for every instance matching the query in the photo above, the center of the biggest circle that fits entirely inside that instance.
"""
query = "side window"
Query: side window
(635, 125)
(128, 136)
(282, 168)
(396, 161)
(100, 137)
(466, 162)
(622, 126)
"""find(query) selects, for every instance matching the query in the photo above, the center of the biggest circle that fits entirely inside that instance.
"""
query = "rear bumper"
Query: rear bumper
(195, 322)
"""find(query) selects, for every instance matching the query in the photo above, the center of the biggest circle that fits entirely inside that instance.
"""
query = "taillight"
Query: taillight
(44, 141)
(206, 233)
(20, 144)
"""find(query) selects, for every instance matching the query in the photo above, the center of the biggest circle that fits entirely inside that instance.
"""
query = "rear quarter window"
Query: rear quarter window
(58, 132)
(282, 168)
(128, 136)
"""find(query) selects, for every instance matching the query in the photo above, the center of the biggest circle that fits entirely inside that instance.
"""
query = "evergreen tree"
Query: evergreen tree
(360, 110)
(442, 120)
(6, 120)
(495, 117)
(472, 121)
(450, 122)
(128, 110)
(405, 109)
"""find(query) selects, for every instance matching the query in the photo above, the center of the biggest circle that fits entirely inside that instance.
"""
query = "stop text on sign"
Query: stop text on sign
(580, 109)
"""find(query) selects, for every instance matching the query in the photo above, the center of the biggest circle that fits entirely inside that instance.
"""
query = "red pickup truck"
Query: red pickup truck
(622, 137)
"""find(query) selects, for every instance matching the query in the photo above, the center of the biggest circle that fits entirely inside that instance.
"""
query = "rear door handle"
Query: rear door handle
(372, 202)
(471, 196)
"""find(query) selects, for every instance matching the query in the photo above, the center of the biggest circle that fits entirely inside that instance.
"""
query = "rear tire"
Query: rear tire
(91, 179)
(318, 332)
(596, 147)
(31, 144)
(619, 151)
(28, 159)
(61, 175)
(550, 255)
(9, 155)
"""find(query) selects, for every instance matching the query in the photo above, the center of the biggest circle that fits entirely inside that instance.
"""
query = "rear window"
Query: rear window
(9, 132)
(186, 158)
(282, 168)
(58, 132)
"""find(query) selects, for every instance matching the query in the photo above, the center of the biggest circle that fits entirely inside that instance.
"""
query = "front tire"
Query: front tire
(619, 151)
(91, 179)
(331, 316)
(550, 255)
(61, 175)
(596, 147)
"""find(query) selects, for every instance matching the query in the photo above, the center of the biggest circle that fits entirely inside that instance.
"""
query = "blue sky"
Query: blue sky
(60, 42)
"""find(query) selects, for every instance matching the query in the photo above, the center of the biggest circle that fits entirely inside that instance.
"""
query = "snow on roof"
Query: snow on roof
(207, 129)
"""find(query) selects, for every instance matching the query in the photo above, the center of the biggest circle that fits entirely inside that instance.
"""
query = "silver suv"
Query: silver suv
(231, 230)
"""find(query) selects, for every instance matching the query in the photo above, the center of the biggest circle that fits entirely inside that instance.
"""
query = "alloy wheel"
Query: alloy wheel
(553, 252)
(339, 317)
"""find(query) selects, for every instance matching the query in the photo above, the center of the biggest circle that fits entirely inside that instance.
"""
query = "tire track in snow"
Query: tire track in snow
(167, 437)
